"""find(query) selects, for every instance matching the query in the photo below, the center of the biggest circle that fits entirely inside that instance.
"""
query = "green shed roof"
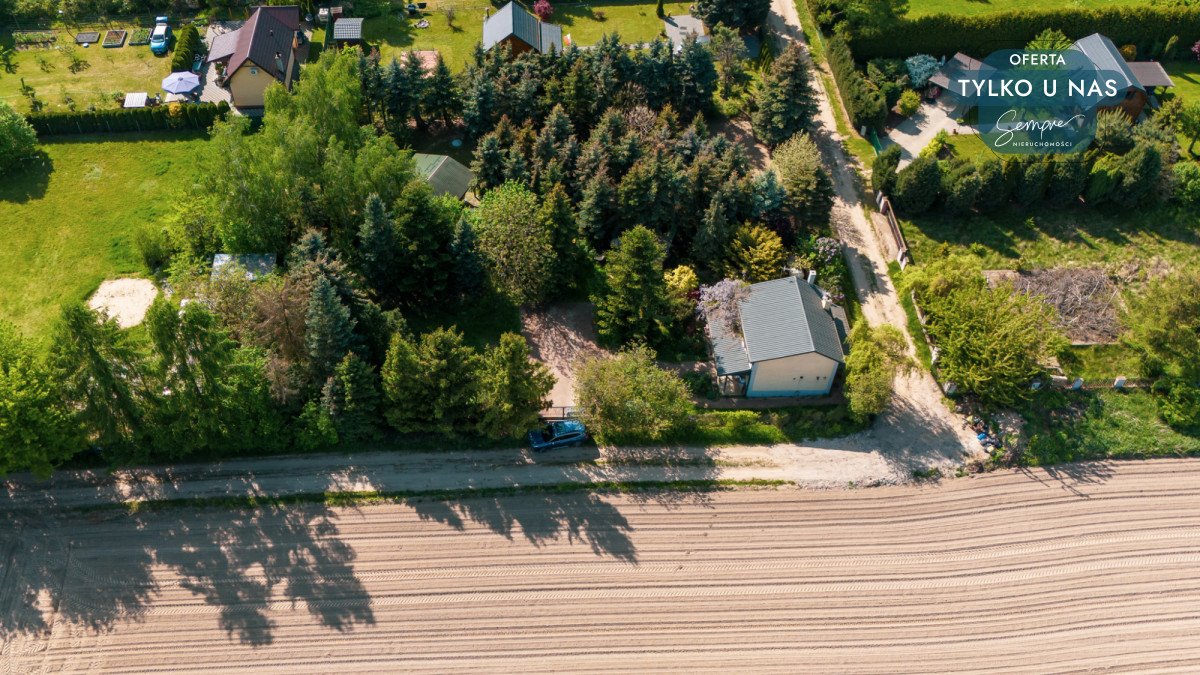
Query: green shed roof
(445, 175)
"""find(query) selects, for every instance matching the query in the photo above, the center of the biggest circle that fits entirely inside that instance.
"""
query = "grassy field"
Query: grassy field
(1070, 427)
(122, 69)
(918, 8)
(1050, 238)
(67, 223)
(635, 21)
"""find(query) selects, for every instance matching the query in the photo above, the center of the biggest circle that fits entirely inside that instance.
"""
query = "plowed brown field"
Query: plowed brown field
(1091, 568)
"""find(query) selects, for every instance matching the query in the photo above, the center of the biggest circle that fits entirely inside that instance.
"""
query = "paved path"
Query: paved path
(916, 132)
(917, 420)
(1089, 569)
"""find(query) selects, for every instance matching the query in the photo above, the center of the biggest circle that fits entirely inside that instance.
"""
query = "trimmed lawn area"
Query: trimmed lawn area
(918, 8)
(1053, 238)
(1070, 427)
(396, 34)
(121, 69)
(68, 223)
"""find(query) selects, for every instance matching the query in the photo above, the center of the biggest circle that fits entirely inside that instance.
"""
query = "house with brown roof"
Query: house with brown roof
(267, 48)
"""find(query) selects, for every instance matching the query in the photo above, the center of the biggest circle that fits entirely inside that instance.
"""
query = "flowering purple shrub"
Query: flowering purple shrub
(718, 303)
(826, 250)
(543, 9)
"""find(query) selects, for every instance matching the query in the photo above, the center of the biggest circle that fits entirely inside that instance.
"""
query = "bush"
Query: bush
(944, 34)
(17, 139)
(909, 103)
(920, 68)
(993, 192)
(883, 170)
(187, 44)
(918, 186)
(1187, 184)
(543, 9)
(153, 247)
(194, 116)
(962, 189)
(1178, 403)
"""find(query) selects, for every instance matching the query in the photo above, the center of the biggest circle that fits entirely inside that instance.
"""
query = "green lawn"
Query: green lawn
(1058, 237)
(1075, 426)
(1100, 362)
(67, 223)
(918, 8)
(122, 69)
(635, 21)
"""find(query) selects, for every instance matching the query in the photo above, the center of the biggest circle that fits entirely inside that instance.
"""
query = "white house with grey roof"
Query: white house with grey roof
(790, 342)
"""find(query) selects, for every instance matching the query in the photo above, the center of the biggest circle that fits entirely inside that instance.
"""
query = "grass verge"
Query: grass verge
(1088, 425)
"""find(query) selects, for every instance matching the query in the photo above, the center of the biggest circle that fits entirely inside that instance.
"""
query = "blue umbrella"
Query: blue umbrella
(180, 83)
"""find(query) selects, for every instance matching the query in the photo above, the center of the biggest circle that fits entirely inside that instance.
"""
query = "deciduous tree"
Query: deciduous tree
(628, 398)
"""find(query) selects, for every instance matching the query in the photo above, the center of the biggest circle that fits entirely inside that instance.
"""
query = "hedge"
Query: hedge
(187, 43)
(189, 116)
(864, 104)
(1148, 27)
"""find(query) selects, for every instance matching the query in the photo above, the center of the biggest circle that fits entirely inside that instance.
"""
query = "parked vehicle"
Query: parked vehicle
(558, 435)
(160, 39)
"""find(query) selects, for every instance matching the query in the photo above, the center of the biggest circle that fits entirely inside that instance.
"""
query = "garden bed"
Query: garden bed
(87, 38)
(28, 39)
(114, 38)
(141, 36)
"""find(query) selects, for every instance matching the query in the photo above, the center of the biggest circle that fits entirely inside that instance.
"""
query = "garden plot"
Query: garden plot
(1086, 299)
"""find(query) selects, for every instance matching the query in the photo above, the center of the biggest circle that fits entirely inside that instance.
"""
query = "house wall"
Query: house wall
(247, 88)
(803, 375)
(516, 45)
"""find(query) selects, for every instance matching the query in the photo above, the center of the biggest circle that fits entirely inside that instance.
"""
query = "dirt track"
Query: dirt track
(1094, 568)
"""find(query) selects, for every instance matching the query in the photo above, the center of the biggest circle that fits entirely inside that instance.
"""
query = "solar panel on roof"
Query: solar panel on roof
(347, 29)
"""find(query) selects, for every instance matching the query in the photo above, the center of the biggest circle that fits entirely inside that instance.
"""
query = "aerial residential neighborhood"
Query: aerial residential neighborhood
(740, 336)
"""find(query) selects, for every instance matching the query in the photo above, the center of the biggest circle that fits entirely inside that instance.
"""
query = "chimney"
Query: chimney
(812, 277)
(279, 63)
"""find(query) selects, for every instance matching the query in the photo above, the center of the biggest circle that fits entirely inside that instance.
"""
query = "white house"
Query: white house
(790, 342)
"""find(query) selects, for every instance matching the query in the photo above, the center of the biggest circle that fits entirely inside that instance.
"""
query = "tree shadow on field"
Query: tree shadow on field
(28, 180)
(97, 570)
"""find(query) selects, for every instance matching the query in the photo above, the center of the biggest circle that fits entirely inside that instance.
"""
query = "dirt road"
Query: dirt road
(917, 421)
(1089, 568)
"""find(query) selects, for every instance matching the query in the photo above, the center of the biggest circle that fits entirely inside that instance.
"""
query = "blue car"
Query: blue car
(558, 435)
(160, 39)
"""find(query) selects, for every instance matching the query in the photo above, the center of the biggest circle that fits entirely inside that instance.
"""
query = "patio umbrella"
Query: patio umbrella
(180, 83)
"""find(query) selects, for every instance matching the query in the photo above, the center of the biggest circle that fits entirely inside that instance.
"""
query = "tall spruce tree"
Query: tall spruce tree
(439, 99)
(634, 305)
(377, 247)
(786, 104)
(328, 330)
(351, 400)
